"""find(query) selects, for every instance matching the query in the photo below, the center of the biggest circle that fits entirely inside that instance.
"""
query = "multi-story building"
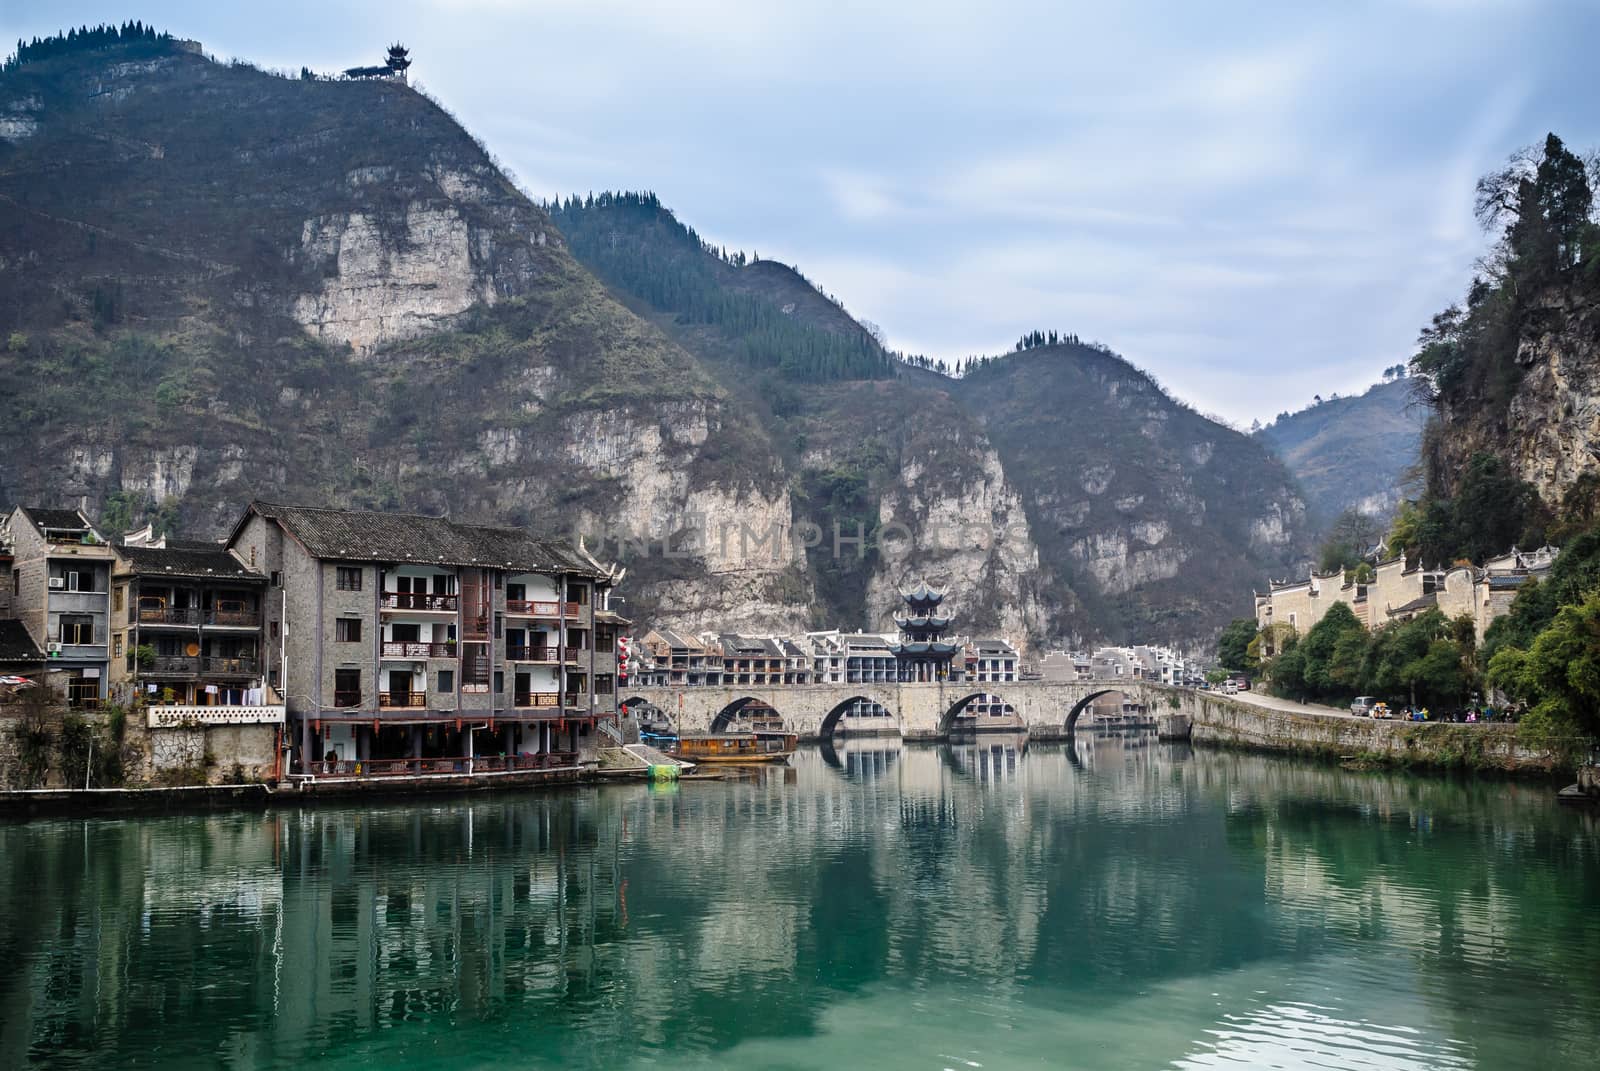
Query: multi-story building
(677, 659)
(187, 627)
(405, 637)
(60, 587)
(1398, 591)
(991, 660)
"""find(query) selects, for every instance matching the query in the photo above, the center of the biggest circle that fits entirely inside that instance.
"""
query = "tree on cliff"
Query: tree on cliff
(1233, 646)
(1559, 676)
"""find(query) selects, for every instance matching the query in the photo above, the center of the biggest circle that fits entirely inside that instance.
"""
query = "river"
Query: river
(1112, 903)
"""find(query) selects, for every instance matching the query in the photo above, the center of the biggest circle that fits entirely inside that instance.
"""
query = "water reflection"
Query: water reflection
(1157, 907)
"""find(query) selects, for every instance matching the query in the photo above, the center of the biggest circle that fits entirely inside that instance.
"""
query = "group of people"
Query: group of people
(1465, 715)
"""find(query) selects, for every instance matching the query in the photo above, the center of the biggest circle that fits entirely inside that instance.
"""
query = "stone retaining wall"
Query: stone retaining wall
(1229, 723)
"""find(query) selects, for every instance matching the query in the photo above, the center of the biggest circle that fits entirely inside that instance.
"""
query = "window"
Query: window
(276, 579)
(72, 580)
(516, 592)
(498, 579)
(347, 630)
(116, 646)
(499, 624)
(349, 578)
(273, 630)
(76, 628)
(499, 681)
(346, 687)
(447, 680)
(116, 596)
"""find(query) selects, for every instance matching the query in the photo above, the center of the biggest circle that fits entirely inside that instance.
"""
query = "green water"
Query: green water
(1117, 904)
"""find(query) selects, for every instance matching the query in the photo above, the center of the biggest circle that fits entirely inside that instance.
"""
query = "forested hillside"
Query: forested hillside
(1355, 452)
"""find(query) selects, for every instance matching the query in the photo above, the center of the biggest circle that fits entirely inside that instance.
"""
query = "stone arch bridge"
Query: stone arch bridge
(921, 711)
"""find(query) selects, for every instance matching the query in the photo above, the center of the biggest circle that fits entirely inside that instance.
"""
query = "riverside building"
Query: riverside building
(408, 642)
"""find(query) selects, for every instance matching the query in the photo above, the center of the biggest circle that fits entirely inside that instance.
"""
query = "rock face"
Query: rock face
(1548, 427)
(379, 288)
(1554, 418)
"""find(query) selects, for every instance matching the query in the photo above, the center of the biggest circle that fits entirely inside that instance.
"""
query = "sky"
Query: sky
(1255, 202)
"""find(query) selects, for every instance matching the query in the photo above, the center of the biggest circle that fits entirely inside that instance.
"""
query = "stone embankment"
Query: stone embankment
(1225, 722)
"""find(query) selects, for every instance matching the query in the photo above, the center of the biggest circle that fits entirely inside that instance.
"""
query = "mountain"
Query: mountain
(218, 282)
(1354, 452)
(1124, 512)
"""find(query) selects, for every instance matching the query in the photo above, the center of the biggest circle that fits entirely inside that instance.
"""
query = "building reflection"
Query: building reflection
(611, 921)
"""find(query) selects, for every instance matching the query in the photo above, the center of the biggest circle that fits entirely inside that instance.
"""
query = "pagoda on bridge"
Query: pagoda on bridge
(922, 653)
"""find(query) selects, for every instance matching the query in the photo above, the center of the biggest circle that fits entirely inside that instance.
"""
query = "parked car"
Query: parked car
(1230, 688)
(1361, 706)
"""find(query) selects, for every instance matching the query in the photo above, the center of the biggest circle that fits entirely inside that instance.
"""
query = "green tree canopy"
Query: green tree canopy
(1233, 646)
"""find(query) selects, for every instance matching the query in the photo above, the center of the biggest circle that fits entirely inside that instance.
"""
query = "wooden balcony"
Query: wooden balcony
(542, 608)
(222, 618)
(530, 654)
(532, 700)
(414, 649)
(230, 665)
(193, 616)
(417, 600)
(402, 700)
(169, 615)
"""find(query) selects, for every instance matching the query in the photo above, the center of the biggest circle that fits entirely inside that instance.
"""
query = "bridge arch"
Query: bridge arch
(643, 708)
(1083, 704)
(948, 718)
(744, 704)
(830, 720)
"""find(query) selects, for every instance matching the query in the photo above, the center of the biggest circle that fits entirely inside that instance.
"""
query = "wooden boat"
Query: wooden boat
(763, 746)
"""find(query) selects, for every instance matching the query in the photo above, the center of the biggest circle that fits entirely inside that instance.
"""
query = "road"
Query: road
(1261, 699)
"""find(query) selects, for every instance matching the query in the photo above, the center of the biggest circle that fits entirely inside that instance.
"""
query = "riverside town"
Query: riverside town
(1113, 582)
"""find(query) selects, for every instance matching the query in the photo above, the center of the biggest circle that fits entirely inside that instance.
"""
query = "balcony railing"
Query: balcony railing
(234, 618)
(415, 649)
(231, 665)
(417, 600)
(529, 700)
(530, 654)
(169, 615)
(168, 716)
(487, 764)
(170, 664)
(402, 700)
(543, 608)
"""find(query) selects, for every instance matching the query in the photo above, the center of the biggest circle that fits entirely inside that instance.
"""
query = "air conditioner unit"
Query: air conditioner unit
(58, 581)
(53, 649)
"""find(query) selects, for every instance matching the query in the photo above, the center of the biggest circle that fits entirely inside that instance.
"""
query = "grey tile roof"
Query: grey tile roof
(16, 645)
(362, 535)
(196, 560)
(57, 518)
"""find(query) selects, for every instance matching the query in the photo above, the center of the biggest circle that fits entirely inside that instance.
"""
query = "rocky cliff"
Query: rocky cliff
(1547, 424)
(218, 283)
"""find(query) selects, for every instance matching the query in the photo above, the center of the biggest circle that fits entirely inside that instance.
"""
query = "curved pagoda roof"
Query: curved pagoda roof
(922, 621)
(922, 596)
(929, 648)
